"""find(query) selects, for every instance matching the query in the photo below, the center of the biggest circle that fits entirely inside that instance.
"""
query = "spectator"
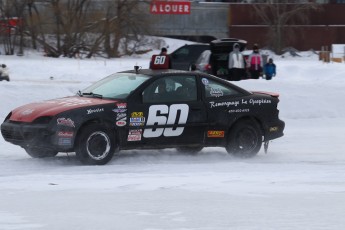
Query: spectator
(255, 63)
(4, 73)
(270, 69)
(236, 64)
(161, 61)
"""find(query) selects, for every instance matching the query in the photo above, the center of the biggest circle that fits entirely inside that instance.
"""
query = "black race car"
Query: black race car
(147, 109)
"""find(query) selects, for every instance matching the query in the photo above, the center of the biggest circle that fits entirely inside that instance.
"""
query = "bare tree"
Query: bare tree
(123, 22)
(278, 15)
(33, 22)
(12, 24)
(66, 20)
(68, 27)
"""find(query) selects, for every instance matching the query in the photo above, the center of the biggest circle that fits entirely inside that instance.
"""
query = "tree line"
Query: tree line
(112, 28)
(72, 27)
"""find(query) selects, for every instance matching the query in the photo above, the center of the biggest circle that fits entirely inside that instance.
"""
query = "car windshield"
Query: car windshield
(115, 86)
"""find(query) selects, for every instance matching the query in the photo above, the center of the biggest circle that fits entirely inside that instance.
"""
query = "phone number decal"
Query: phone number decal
(239, 110)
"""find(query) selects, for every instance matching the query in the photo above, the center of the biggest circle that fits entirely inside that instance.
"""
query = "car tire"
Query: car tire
(95, 145)
(244, 139)
(40, 152)
(190, 150)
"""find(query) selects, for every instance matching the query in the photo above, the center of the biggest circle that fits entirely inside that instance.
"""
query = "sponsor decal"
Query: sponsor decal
(254, 102)
(215, 133)
(119, 110)
(205, 81)
(65, 134)
(120, 116)
(65, 122)
(136, 124)
(121, 105)
(65, 141)
(137, 119)
(166, 115)
(259, 101)
(225, 103)
(27, 112)
(90, 111)
(170, 7)
(134, 135)
(137, 114)
(121, 123)
(216, 92)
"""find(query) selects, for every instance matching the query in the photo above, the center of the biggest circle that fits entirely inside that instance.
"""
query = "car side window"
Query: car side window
(181, 53)
(214, 89)
(171, 89)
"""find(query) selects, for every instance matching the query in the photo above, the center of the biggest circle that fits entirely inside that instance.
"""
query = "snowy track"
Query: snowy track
(299, 184)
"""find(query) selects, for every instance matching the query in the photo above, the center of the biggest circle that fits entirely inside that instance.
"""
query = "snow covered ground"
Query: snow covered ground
(299, 184)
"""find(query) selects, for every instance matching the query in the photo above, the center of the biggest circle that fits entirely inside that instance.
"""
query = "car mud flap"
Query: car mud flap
(266, 146)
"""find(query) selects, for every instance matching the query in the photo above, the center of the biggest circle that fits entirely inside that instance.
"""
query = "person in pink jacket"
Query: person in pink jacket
(255, 63)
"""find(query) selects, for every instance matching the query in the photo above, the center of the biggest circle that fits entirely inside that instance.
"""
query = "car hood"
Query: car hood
(29, 112)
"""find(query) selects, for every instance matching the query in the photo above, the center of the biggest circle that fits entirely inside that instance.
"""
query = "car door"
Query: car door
(224, 104)
(169, 113)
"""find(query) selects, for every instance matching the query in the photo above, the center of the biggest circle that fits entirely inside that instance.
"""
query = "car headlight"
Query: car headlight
(42, 120)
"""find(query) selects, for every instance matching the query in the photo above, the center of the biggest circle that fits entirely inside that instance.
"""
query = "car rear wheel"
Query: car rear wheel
(95, 145)
(244, 139)
(40, 152)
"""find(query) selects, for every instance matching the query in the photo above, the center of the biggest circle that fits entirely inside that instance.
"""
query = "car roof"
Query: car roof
(155, 72)
(225, 45)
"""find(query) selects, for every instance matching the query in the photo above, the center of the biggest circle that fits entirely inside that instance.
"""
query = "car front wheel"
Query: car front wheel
(244, 139)
(95, 145)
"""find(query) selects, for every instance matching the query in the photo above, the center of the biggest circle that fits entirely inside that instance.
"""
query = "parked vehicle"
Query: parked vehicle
(137, 109)
(215, 61)
(183, 57)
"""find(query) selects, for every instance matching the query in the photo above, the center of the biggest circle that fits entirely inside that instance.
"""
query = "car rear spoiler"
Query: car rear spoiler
(273, 94)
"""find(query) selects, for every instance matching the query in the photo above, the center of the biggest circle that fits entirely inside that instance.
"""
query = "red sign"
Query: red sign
(8, 25)
(162, 7)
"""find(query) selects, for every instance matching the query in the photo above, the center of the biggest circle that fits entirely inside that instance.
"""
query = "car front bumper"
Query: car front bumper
(25, 134)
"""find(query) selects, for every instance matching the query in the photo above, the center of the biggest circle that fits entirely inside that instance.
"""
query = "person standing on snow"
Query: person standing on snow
(270, 69)
(4, 73)
(255, 63)
(236, 64)
(161, 61)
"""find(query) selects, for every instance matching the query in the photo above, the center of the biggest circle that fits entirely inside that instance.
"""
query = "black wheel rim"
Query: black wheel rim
(246, 140)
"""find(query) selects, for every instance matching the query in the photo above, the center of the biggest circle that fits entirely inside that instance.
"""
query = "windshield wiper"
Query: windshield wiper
(91, 94)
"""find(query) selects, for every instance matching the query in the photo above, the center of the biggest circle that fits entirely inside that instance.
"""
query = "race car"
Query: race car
(147, 109)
